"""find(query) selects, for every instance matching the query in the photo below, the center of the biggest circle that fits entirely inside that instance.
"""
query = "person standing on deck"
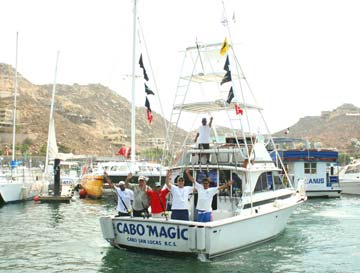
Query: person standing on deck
(180, 197)
(125, 197)
(203, 135)
(205, 197)
(141, 200)
(158, 200)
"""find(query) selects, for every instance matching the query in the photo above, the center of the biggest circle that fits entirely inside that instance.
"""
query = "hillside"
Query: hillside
(94, 120)
(339, 128)
(89, 119)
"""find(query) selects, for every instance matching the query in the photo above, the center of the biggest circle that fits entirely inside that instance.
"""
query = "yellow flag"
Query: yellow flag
(224, 47)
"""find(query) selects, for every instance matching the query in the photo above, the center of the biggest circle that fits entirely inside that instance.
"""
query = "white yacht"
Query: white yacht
(350, 178)
(257, 206)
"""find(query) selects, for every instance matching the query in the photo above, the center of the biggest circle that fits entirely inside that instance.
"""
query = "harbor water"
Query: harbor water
(323, 235)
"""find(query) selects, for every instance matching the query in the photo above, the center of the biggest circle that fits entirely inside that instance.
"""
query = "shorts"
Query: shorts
(204, 146)
(204, 216)
(180, 214)
(122, 214)
(141, 213)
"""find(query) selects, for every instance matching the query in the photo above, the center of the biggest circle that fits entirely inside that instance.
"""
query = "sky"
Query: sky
(300, 57)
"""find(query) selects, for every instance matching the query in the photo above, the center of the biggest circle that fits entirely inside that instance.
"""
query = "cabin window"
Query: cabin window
(224, 176)
(310, 167)
(278, 182)
(211, 174)
(262, 184)
(236, 188)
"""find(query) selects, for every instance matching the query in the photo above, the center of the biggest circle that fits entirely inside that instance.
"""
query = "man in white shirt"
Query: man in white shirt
(180, 198)
(205, 197)
(203, 135)
(125, 197)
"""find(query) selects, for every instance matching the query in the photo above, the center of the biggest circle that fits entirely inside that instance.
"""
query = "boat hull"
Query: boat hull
(18, 191)
(324, 193)
(204, 239)
(350, 187)
(93, 184)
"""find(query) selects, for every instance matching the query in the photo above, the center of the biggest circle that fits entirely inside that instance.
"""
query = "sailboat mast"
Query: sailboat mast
(133, 109)
(51, 112)
(15, 95)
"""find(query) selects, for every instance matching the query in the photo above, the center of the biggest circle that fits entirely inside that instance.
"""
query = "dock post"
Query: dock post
(56, 177)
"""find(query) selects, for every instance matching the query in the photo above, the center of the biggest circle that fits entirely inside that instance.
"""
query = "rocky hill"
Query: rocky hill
(94, 120)
(89, 119)
(339, 128)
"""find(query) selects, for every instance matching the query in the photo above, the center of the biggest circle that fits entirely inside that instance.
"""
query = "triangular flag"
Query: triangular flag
(143, 67)
(147, 104)
(148, 90)
(141, 61)
(238, 110)
(230, 95)
(227, 63)
(227, 78)
(224, 48)
(149, 116)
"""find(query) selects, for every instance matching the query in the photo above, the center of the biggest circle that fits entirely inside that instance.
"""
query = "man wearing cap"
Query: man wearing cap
(158, 200)
(180, 198)
(203, 135)
(205, 197)
(141, 200)
(125, 197)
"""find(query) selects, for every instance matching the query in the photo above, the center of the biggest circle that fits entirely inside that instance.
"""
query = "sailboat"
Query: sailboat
(20, 182)
(93, 183)
(67, 183)
(260, 200)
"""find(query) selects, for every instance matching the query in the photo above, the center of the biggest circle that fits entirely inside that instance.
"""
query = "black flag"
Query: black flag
(148, 90)
(143, 67)
(147, 104)
(141, 61)
(230, 95)
(226, 66)
(227, 78)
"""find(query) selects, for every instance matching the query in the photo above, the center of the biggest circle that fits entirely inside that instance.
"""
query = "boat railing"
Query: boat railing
(227, 154)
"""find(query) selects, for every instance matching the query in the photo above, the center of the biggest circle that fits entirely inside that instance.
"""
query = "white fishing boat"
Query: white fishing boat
(19, 182)
(350, 178)
(317, 167)
(259, 203)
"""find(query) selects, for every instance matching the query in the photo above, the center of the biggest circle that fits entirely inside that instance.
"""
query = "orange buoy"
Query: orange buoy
(82, 193)
(36, 198)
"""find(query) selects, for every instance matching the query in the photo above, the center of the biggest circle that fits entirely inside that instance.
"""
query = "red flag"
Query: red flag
(84, 169)
(122, 151)
(238, 110)
(149, 116)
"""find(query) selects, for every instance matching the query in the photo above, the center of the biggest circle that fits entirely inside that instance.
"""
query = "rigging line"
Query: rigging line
(242, 93)
(201, 62)
(152, 73)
